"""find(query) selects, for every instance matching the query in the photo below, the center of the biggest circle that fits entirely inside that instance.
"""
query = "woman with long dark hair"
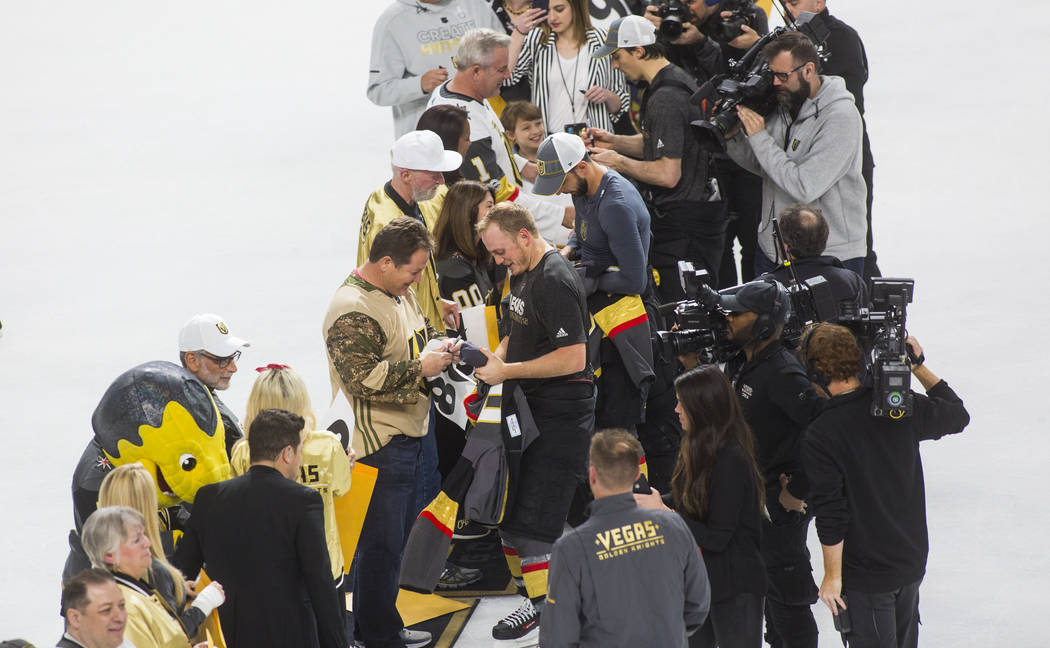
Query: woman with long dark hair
(465, 270)
(715, 488)
(569, 85)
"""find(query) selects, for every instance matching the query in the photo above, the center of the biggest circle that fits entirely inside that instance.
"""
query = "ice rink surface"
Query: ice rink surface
(163, 159)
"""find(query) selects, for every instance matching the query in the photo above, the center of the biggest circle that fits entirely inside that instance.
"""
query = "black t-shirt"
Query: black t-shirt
(667, 134)
(546, 310)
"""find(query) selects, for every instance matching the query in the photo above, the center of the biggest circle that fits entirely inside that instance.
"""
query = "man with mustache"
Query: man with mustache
(808, 151)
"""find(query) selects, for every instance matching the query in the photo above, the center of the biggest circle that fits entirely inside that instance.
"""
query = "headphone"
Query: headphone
(816, 375)
(777, 313)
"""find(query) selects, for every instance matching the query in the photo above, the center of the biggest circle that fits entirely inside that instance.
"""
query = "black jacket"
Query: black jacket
(847, 59)
(866, 484)
(262, 537)
(731, 533)
(846, 285)
(778, 402)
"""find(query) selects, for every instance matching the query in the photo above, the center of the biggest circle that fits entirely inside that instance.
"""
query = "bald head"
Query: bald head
(805, 231)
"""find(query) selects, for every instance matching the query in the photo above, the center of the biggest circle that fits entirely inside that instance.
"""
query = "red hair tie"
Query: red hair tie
(273, 366)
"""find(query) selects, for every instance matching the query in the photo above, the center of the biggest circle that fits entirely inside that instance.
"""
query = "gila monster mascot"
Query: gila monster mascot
(161, 416)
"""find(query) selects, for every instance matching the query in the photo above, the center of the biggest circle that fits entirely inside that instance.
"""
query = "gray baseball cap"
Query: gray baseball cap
(556, 156)
(629, 31)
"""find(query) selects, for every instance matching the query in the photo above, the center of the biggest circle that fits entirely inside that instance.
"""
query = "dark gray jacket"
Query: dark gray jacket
(626, 577)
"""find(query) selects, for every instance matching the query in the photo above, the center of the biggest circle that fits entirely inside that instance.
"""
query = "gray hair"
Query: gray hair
(477, 46)
(105, 530)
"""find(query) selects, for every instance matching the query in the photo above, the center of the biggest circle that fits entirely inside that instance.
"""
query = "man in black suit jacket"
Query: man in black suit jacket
(262, 536)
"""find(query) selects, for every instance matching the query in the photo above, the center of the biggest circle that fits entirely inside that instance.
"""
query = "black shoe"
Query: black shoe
(518, 623)
(469, 530)
(456, 577)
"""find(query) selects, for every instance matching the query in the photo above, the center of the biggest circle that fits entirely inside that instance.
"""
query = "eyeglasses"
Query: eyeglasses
(784, 76)
(221, 363)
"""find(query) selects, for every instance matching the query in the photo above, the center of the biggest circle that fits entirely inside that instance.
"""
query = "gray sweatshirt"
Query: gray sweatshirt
(815, 160)
(411, 38)
(626, 577)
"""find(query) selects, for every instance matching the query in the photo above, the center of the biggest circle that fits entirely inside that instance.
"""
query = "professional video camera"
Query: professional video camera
(749, 83)
(702, 325)
(742, 14)
(881, 332)
(674, 14)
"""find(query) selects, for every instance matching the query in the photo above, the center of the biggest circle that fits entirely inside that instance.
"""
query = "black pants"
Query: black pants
(686, 231)
(734, 623)
(884, 620)
(871, 261)
(789, 617)
(743, 193)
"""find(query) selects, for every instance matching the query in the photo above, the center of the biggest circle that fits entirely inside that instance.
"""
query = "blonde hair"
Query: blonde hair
(510, 218)
(279, 387)
(133, 487)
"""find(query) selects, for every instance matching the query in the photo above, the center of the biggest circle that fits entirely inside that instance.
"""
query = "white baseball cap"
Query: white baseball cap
(629, 31)
(422, 150)
(207, 332)
(556, 156)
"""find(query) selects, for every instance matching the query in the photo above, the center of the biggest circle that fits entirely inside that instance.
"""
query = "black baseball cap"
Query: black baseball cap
(762, 297)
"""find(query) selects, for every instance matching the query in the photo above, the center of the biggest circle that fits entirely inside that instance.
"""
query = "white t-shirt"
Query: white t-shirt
(565, 81)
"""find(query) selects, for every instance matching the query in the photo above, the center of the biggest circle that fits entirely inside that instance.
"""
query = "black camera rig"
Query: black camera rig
(882, 333)
(748, 83)
(700, 324)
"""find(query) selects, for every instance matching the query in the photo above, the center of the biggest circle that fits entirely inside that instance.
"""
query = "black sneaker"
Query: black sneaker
(518, 623)
(456, 577)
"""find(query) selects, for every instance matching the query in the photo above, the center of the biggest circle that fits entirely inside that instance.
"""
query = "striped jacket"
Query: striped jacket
(536, 61)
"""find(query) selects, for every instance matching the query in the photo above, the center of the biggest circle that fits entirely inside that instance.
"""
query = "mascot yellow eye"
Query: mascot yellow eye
(188, 462)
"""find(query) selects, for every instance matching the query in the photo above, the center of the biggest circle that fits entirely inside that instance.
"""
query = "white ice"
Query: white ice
(159, 159)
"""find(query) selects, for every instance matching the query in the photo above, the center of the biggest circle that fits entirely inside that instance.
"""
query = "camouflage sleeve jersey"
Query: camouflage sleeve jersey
(374, 342)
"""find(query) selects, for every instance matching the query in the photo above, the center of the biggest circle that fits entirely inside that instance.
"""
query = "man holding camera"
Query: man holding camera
(867, 490)
(804, 234)
(847, 59)
(778, 402)
(688, 215)
(809, 151)
(703, 36)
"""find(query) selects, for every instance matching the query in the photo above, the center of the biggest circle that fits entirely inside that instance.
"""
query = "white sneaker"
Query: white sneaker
(415, 638)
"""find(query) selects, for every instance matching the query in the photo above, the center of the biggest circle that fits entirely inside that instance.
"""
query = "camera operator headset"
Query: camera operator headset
(778, 402)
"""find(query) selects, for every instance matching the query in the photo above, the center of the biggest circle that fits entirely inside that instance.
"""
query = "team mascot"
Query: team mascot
(161, 416)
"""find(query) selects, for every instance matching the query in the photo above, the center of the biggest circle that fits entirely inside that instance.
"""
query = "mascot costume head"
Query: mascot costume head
(161, 416)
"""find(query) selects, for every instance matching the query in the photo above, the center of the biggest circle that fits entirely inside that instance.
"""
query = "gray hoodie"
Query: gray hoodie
(411, 38)
(814, 160)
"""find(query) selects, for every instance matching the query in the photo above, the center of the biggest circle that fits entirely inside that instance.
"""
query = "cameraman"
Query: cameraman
(710, 37)
(804, 231)
(809, 151)
(778, 402)
(867, 489)
(847, 59)
(688, 215)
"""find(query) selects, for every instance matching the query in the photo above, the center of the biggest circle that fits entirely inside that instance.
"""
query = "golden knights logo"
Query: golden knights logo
(627, 538)
(222, 328)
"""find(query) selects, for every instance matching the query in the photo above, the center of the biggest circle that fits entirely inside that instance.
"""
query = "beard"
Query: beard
(793, 99)
(581, 185)
(420, 195)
